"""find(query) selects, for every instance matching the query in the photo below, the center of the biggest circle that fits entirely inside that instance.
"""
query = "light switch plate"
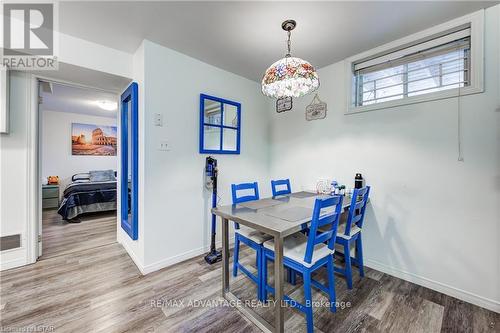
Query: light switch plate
(164, 146)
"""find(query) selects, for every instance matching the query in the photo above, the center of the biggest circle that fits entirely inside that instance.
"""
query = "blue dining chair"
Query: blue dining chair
(248, 236)
(277, 184)
(306, 254)
(277, 188)
(350, 232)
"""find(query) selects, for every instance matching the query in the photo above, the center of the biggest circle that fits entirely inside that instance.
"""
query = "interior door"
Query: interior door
(129, 161)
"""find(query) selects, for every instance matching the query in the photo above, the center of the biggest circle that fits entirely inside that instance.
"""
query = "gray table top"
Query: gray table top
(280, 216)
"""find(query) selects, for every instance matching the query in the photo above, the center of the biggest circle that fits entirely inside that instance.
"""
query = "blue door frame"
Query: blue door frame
(130, 95)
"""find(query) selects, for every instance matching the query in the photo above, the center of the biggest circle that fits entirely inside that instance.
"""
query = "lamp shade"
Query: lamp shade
(289, 77)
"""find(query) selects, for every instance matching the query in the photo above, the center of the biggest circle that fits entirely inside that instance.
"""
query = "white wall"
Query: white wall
(175, 204)
(14, 202)
(16, 193)
(56, 156)
(432, 219)
(136, 248)
(94, 56)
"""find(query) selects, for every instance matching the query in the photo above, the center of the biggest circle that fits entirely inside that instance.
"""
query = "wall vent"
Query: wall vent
(10, 242)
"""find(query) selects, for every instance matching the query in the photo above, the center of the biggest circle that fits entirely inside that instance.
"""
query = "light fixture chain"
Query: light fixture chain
(289, 43)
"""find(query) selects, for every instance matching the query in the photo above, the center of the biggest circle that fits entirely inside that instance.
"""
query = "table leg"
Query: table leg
(225, 256)
(279, 282)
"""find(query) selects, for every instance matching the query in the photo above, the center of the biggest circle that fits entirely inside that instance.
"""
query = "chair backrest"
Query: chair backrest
(357, 208)
(328, 221)
(275, 184)
(235, 188)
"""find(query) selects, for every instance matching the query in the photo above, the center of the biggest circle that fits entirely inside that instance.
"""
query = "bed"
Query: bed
(89, 193)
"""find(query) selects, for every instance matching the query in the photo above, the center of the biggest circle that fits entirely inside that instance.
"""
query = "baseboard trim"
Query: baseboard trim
(132, 255)
(179, 258)
(463, 295)
(14, 263)
(173, 260)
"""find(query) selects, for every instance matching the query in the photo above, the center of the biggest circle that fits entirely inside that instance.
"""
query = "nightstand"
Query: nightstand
(50, 196)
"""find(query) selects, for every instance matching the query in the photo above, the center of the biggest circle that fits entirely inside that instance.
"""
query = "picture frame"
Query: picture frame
(220, 125)
(93, 140)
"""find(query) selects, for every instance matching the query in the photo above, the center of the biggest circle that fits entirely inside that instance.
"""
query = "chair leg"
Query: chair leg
(264, 276)
(260, 294)
(236, 255)
(348, 269)
(292, 276)
(308, 299)
(359, 256)
(331, 284)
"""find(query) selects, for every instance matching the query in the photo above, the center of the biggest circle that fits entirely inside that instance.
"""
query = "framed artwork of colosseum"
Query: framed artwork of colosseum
(93, 140)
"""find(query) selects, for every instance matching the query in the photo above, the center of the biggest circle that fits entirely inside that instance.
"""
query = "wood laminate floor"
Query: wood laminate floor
(60, 237)
(99, 289)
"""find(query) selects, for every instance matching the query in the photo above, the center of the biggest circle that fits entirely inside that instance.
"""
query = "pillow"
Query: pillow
(82, 180)
(81, 176)
(102, 175)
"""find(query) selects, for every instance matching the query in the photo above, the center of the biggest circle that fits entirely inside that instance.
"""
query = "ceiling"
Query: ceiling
(246, 37)
(72, 99)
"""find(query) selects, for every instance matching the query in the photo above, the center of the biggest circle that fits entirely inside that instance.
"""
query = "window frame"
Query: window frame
(221, 126)
(476, 76)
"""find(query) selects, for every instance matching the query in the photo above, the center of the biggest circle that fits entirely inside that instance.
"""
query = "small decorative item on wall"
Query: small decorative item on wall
(316, 109)
(95, 140)
(220, 125)
(284, 104)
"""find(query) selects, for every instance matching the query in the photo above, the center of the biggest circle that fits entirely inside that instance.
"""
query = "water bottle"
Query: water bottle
(358, 181)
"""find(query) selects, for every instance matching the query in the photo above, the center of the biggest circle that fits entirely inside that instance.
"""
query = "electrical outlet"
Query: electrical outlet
(164, 146)
(158, 119)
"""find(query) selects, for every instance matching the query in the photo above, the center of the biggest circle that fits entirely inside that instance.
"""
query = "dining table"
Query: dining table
(278, 217)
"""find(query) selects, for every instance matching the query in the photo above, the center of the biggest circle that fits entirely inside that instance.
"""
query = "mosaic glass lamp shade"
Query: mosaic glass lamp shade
(289, 76)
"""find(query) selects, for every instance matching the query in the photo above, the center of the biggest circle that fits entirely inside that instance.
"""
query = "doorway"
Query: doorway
(78, 166)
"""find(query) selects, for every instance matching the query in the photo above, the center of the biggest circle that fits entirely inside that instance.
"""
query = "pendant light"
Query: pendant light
(289, 76)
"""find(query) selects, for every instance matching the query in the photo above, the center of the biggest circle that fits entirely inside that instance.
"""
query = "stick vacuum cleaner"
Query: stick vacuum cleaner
(211, 183)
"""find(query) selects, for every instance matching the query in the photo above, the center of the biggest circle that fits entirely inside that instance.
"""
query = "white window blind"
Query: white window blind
(434, 65)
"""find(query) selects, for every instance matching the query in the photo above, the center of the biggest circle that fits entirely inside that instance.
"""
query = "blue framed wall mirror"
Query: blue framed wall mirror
(129, 160)
(220, 125)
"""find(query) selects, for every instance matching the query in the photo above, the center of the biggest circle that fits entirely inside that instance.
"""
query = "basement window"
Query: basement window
(430, 65)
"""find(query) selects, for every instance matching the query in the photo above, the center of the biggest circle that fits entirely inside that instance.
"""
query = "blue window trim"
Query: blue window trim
(130, 95)
(221, 126)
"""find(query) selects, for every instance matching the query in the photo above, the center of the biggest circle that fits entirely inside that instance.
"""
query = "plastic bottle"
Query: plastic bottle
(358, 181)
